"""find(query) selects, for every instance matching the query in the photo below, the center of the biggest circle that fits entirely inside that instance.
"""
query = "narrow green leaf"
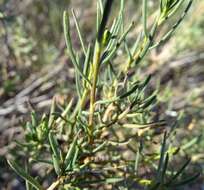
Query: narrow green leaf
(42, 161)
(114, 180)
(34, 119)
(98, 16)
(132, 90)
(115, 29)
(66, 25)
(136, 44)
(103, 181)
(174, 7)
(70, 152)
(137, 158)
(30, 127)
(148, 101)
(161, 6)
(54, 145)
(52, 110)
(145, 125)
(112, 50)
(186, 181)
(79, 32)
(191, 143)
(18, 169)
(65, 112)
(164, 168)
(146, 82)
(114, 32)
(174, 3)
(100, 147)
(56, 164)
(75, 157)
(87, 60)
(28, 185)
(179, 172)
(101, 6)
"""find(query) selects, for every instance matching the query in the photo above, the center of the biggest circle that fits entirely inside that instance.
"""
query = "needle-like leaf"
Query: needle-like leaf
(18, 169)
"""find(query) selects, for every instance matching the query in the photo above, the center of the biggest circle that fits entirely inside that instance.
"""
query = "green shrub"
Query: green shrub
(106, 139)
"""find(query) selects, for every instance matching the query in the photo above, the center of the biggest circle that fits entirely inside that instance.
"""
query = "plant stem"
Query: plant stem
(54, 185)
(96, 64)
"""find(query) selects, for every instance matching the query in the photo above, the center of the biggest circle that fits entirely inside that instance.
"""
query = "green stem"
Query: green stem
(96, 64)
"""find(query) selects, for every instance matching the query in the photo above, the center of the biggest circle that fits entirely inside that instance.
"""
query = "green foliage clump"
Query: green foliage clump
(106, 139)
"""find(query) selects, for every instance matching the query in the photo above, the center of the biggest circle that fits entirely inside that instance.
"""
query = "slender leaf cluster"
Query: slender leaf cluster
(103, 140)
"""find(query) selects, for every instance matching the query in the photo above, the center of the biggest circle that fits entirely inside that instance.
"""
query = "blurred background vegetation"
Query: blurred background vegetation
(34, 68)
